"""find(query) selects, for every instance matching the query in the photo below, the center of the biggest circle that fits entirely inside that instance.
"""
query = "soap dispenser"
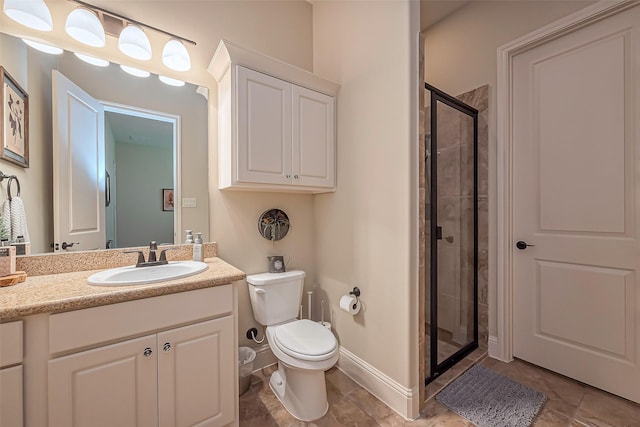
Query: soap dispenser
(189, 238)
(198, 251)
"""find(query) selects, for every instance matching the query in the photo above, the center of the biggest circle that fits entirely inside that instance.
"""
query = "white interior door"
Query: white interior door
(576, 195)
(78, 167)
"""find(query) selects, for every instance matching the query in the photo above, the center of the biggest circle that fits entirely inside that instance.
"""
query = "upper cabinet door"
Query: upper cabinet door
(264, 128)
(313, 140)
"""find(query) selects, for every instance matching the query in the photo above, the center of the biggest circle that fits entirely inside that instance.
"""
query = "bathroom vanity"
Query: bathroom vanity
(162, 354)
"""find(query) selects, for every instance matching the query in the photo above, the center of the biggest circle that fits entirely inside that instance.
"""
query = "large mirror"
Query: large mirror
(155, 154)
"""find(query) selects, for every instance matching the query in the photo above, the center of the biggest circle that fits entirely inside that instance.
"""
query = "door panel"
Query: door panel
(110, 386)
(78, 166)
(576, 203)
(313, 147)
(195, 384)
(264, 128)
(575, 157)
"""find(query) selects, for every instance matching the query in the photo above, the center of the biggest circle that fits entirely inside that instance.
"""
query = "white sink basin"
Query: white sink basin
(132, 275)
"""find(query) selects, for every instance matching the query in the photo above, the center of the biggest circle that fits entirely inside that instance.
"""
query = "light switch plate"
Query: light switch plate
(189, 202)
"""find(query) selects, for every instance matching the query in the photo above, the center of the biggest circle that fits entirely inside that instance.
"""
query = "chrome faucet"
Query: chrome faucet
(152, 261)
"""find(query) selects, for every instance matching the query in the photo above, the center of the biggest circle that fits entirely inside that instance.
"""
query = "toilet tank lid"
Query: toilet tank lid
(271, 278)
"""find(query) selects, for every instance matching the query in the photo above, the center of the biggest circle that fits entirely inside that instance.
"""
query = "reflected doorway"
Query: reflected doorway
(140, 170)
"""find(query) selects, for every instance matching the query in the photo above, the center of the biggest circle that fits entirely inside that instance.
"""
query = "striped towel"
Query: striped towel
(14, 219)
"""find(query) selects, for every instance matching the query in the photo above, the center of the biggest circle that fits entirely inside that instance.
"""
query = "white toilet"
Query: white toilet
(304, 349)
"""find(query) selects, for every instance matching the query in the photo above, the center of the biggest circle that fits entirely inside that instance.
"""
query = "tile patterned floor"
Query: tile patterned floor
(569, 403)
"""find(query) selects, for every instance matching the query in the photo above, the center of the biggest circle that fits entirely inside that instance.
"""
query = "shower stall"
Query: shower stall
(451, 231)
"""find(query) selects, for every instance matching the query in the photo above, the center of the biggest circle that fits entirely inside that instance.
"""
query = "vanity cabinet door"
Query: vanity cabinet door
(264, 128)
(11, 406)
(196, 379)
(114, 385)
(313, 140)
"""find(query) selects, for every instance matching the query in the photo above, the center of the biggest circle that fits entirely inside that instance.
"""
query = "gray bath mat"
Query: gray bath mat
(488, 399)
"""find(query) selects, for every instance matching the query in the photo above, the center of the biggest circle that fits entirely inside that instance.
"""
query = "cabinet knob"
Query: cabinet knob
(166, 346)
(295, 176)
(287, 176)
(147, 352)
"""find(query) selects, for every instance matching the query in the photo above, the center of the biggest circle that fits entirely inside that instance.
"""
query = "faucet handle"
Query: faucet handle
(140, 256)
(163, 255)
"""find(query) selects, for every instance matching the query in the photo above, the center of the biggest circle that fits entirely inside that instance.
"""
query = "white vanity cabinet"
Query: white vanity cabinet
(171, 376)
(276, 124)
(11, 373)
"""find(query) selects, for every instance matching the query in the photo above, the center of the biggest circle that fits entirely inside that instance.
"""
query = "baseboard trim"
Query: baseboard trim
(402, 400)
(495, 349)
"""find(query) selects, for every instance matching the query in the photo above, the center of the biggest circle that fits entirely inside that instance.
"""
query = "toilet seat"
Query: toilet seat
(305, 340)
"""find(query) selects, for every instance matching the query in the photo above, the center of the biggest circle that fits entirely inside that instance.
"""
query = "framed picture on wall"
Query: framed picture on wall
(167, 199)
(14, 126)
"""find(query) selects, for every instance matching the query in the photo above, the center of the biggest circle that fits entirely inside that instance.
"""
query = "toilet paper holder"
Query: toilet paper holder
(356, 293)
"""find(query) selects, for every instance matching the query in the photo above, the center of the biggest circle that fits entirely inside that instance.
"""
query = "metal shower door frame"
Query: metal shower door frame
(435, 369)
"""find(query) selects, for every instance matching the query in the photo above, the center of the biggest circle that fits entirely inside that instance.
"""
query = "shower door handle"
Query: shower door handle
(522, 245)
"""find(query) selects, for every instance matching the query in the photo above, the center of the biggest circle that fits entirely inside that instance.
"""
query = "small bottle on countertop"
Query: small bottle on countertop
(189, 238)
(198, 251)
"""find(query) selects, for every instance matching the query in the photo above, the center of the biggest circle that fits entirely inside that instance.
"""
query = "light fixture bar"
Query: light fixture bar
(131, 21)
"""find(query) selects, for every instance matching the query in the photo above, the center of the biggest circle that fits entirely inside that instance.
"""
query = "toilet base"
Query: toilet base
(302, 392)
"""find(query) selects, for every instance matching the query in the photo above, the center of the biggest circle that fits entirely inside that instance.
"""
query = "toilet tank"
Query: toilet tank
(276, 297)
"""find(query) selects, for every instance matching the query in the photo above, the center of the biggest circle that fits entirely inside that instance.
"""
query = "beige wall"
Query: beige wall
(366, 231)
(281, 29)
(461, 54)
(35, 181)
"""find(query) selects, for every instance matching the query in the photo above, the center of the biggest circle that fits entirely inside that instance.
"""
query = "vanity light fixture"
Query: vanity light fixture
(42, 47)
(98, 62)
(132, 39)
(175, 56)
(84, 26)
(171, 82)
(30, 13)
(135, 43)
(135, 71)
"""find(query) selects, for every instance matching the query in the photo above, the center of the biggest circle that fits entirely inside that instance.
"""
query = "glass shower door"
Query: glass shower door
(450, 166)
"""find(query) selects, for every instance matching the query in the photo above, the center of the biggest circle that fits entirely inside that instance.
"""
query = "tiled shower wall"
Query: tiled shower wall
(479, 99)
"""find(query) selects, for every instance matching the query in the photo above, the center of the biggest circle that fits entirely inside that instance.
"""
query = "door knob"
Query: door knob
(522, 245)
(66, 245)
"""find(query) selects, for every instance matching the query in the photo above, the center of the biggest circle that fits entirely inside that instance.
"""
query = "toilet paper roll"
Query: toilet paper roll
(350, 304)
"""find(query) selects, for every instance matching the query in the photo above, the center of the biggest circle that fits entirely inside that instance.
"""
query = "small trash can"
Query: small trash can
(246, 356)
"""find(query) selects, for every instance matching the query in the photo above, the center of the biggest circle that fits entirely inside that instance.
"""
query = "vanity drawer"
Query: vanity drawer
(11, 343)
(91, 326)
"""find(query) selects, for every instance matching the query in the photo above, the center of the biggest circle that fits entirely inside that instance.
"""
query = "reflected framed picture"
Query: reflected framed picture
(14, 126)
(167, 199)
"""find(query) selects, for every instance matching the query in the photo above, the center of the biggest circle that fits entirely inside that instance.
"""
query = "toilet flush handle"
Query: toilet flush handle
(260, 291)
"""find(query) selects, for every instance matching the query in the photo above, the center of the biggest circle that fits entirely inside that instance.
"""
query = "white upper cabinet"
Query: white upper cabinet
(274, 133)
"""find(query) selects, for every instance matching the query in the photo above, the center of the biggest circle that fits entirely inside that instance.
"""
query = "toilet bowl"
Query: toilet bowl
(304, 353)
(304, 349)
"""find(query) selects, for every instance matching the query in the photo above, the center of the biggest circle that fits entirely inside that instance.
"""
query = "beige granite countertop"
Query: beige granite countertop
(70, 291)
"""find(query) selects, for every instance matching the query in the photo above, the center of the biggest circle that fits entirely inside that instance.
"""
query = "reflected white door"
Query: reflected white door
(576, 196)
(78, 167)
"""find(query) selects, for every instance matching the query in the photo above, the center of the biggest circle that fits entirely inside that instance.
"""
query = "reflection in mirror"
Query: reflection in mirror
(180, 112)
(139, 161)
